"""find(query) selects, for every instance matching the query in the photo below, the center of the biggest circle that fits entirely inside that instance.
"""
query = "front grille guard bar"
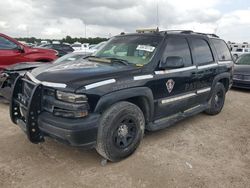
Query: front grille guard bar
(33, 107)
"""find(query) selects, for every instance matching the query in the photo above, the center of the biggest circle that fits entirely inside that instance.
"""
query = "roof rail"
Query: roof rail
(189, 32)
(208, 34)
(178, 31)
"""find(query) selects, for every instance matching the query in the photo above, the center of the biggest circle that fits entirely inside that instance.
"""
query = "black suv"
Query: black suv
(135, 82)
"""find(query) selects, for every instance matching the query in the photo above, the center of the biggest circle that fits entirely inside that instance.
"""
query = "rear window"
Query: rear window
(222, 50)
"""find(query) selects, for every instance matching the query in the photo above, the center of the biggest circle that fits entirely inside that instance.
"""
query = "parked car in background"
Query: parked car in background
(12, 52)
(62, 49)
(241, 77)
(78, 46)
(92, 45)
(9, 74)
(239, 52)
(93, 49)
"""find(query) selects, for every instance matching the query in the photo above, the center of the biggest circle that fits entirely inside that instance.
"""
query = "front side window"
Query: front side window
(202, 52)
(222, 50)
(178, 47)
(138, 50)
(6, 44)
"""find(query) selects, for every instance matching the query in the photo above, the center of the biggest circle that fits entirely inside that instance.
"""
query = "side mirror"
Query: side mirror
(20, 48)
(172, 62)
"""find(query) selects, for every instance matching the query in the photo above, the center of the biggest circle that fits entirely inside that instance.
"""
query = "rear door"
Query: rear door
(207, 67)
(170, 87)
(9, 54)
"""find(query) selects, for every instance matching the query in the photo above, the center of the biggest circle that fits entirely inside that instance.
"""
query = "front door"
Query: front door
(170, 89)
(9, 54)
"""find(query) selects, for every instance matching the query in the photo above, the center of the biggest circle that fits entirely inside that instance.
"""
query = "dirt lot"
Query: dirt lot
(202, 151)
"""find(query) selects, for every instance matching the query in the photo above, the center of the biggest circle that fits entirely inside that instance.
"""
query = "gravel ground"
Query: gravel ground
(201, 151)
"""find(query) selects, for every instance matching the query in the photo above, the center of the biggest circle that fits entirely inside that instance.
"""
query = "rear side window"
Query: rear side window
(222, 50)
(202, 52)
(178, 47)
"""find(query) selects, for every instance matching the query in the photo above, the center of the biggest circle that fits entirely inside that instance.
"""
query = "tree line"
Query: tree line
(67, 39)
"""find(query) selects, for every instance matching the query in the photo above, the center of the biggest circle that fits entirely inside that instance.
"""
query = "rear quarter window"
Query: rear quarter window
(222, 50)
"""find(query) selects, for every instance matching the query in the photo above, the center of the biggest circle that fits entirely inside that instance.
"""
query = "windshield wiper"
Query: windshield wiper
(121, 61)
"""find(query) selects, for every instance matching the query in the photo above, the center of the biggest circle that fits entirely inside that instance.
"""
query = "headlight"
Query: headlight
(71, 97)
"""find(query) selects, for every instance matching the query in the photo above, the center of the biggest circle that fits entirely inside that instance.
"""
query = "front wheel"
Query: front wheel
(217, 100)
(120, 131)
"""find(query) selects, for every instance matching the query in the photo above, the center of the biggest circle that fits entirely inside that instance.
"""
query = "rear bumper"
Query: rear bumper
(75, 132)
(241, 84)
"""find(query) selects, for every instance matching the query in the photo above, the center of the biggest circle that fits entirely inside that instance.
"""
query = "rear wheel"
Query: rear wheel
(120, 131)
(217, 99)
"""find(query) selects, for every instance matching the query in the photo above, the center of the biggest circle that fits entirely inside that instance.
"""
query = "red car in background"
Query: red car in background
(12, 52)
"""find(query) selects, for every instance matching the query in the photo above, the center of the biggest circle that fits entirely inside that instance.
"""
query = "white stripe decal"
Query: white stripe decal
(225, 62)
(190, 109)
(143, 77)
(175, 70)
(101, 83)
(204, 90)
(207, 66)
(178, 98)
(49, 84)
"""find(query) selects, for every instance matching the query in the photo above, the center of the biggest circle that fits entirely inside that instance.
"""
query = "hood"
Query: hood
(241, 69)
(25, 66)
(76, 74)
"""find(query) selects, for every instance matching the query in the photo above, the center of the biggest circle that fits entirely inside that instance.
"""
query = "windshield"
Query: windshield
(98, 46)
(138, 50)
(69, 57)
(243, 60)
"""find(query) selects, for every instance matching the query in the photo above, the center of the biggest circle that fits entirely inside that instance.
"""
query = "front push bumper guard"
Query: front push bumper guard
(24, 111)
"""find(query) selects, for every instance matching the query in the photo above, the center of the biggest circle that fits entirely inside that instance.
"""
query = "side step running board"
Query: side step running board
(168, 121)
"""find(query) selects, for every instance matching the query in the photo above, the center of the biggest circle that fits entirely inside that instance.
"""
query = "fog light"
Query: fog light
(70, 114)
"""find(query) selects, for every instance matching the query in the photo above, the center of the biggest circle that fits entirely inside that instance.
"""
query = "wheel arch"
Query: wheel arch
(142, 97)
(223, 78)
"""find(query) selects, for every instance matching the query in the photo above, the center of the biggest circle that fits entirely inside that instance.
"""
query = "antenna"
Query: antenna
(157, 14)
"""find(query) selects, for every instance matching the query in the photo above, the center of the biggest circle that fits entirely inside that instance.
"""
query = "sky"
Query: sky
(55, 19)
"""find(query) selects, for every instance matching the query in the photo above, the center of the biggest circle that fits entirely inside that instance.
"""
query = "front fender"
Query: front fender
(111, 98)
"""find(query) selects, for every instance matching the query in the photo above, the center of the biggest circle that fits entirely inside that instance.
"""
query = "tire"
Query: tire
(120, 131)
(217, 99)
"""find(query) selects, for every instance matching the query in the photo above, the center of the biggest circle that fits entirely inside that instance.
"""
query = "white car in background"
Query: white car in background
(78, 46)
(240, 51)
(93, 49)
